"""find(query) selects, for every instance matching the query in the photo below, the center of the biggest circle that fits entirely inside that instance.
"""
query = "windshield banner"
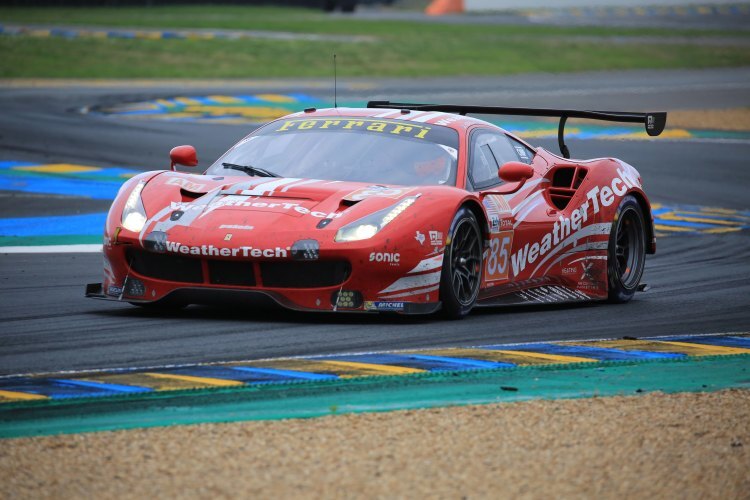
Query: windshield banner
(400, 128)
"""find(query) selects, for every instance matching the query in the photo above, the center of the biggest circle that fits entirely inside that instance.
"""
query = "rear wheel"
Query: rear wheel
(626, 254)
(462, 266)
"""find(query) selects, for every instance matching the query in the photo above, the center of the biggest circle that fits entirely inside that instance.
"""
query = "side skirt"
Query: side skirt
(543, 294)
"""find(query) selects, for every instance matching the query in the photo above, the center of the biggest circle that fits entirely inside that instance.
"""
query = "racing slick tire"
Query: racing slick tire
(626, 252)
(462, 266)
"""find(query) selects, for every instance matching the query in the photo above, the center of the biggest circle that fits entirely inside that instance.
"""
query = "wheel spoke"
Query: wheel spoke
(470, 241)
(462, 241)
(456, 283)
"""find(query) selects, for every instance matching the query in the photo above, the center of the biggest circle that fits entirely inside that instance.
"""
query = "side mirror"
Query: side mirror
(515, 171)
(183, 155)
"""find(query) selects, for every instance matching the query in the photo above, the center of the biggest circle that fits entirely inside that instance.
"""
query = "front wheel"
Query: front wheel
(462, 265)
(626, 253)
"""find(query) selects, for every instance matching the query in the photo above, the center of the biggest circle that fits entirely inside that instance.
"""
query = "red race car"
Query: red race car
(397, 207)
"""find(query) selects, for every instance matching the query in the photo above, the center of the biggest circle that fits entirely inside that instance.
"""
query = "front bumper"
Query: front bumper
(396, 273)
(253, 298)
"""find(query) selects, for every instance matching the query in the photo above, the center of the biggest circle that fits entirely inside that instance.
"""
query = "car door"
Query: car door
(515, 219)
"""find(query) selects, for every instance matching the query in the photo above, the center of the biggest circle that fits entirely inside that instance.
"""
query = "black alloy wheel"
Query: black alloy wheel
(627, 251)
(462, 266)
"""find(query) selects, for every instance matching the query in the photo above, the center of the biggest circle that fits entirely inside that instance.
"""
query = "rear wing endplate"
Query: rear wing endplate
(653, 122)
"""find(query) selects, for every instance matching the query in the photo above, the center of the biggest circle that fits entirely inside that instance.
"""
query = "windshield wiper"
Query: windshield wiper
(250, 170)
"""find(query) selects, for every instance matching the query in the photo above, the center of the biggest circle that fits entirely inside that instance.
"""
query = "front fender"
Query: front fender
(114, 217)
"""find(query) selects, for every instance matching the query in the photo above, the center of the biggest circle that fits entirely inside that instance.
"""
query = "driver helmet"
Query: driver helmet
(436, 164)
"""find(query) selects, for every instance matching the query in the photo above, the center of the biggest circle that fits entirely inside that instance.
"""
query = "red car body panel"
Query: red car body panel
(545, 243)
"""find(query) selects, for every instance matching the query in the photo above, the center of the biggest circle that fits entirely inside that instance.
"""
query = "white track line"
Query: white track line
(94, 248)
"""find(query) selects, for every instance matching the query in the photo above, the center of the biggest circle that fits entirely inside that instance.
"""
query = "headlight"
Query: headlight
(369, 226)
(134, 215)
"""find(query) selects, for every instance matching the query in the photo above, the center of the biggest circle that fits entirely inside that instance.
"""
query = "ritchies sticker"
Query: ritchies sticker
(596, 198)
(214, 251)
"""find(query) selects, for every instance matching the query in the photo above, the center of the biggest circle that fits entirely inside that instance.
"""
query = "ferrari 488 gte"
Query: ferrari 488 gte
(396, 207)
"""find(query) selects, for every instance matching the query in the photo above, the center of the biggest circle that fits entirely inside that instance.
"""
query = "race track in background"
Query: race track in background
(700, 281)
(68, 181)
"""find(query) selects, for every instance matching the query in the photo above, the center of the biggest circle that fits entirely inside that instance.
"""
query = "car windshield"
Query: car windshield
(347, 149)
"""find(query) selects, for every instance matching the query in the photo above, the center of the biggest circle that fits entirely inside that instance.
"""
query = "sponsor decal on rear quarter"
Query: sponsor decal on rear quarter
(565, 227)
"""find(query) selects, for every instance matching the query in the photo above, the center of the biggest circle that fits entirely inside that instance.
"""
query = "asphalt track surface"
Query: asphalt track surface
(701, 283)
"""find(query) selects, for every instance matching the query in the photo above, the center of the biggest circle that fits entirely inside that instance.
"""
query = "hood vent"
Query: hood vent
(347, 203)
(189, 195)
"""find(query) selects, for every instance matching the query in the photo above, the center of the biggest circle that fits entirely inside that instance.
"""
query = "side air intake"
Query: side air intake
(565, 182)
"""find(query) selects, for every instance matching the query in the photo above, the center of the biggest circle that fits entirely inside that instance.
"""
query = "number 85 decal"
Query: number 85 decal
(498, 257)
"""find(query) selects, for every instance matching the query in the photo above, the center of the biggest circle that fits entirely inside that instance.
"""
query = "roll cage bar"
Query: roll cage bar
(654, 122)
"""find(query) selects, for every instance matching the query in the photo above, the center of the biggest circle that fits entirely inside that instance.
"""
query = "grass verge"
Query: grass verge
(402, 49)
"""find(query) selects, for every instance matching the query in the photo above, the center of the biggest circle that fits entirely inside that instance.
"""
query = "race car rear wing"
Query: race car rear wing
(654, 122)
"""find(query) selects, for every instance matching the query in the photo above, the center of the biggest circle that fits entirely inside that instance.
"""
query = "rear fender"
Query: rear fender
(648, 218)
